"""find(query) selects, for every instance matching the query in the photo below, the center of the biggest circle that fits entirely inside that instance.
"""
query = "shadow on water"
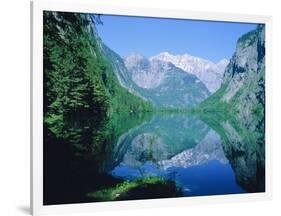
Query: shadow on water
(71, 166)
(194, 153)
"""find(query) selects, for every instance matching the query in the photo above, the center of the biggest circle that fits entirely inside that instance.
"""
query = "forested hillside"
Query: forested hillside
(79, 81)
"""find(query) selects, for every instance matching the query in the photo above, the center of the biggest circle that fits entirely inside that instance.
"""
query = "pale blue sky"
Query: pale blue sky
(150, 36)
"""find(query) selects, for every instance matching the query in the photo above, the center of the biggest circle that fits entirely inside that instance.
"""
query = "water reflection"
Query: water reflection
(185, 149)
(201, 154)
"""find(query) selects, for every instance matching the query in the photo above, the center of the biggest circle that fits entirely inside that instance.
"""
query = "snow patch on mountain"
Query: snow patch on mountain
(165, 84)
(210, 73)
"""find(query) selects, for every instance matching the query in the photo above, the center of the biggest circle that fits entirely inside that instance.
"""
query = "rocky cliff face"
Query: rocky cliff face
(244, 76)
(146, 74)
(243, 89)
(211, 74)
(164, 84)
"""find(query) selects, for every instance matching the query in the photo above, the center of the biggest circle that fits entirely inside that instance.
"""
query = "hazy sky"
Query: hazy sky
(150, 36)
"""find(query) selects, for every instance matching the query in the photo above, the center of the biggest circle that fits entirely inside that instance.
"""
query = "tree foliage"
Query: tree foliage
(81, 90)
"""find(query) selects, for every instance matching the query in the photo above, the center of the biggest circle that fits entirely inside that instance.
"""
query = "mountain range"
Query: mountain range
(164, 84)
(167, 80)
(184, 81)
(208, 72)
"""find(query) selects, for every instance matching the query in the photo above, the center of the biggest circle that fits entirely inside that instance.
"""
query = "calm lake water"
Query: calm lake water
(185, 149)
(201, 155)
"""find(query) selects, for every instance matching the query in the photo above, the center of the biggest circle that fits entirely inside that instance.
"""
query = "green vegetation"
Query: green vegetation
(214, 102)
(150, 187)
(228, 110)
(81, 91)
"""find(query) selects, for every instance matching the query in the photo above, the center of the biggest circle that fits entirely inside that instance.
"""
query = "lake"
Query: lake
(199, 155)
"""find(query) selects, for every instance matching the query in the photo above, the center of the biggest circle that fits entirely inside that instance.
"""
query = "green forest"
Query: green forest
(79, 82)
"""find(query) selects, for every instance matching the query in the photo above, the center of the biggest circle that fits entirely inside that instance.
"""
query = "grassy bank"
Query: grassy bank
(143, 188)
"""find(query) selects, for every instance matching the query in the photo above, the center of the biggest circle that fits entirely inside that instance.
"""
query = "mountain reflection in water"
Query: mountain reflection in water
(197, 154)
(187, 150)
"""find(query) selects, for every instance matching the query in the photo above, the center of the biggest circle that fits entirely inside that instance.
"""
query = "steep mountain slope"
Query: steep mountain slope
(246, 72)
(243, 89)
(209, 73)
(164, 84)
(116, 63)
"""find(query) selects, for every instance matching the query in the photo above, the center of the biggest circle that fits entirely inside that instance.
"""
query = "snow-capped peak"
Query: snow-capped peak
(164, 55)
(208, 72)
(134, 57)
(223, 61)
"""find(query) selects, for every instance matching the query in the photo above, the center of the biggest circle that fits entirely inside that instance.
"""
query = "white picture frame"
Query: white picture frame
(37, 8)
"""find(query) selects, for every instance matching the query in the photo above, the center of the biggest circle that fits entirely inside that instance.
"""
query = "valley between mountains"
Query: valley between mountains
(137, 127)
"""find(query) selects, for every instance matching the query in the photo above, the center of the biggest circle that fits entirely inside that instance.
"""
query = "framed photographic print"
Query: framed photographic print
(142, 107)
